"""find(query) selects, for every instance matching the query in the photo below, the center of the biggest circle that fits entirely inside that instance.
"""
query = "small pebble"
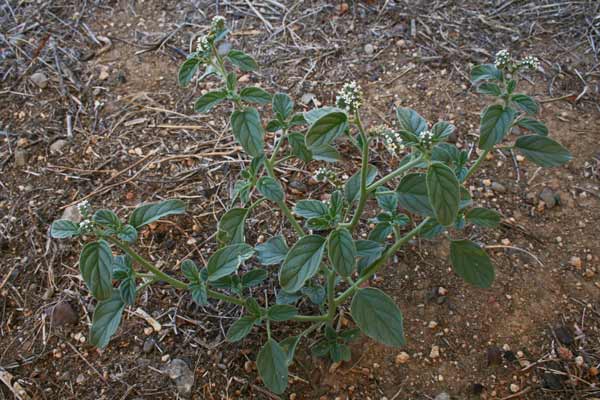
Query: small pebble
(402, 358)
(514, 387)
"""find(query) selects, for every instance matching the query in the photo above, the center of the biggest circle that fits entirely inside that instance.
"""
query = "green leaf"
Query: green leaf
(542, 150)
(342, 251)
(310, 209)
(253, 307)
(127, 233)
(274, 125)
(326, 128)
(106, 218)
(273, 251)
(444, 192)
(490, 89)
(325, 153)
(227, 260)
(533, 125)
(63, 229)
(270, 188)
(313, 115)
(318, 224)
(231, 226)
(388, 202)
(231, 81)
(471, 263)
(315, 294)
(284, 297)
(106, 320)
(187, 71)
(248, 130)
(281, 312)
(288, 345)
(127, 290)
(378, 316)
(495, 123)
(465, 198)
(148, 213)
(339, 352)
(255, 95)
(209, 100)
(242, 60)
(352, 185)
(199, 292)
(95, 264)
(283, 106)
(442, 130)
(301, 263)
(272, 366)
(240, 328)
(525, 103)
(254, 277)
(410, 120)
(511, 86)
(483, 217)
(299, 148)
(121, 267)
(485, 72)
(368, 251)
(190, 271)
(381, 231)
(412, 194)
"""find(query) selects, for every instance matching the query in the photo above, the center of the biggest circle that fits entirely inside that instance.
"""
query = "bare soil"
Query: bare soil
(111, 125)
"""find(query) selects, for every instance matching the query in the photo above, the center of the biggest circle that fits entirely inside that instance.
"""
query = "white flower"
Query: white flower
(392, 141)
(84, 208)
(426, 139)
(202, 44)
(324, 175)
(85, 226)
(530, 62)
(503, 59)
(349, 98)
(218, 23)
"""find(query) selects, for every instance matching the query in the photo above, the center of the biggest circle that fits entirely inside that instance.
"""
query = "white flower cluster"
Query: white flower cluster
(503, 59)
(324, 175)
(203, 44)
(530, 62)
(86, 226)
(426, 139)
(349, 98)
(84, 208)
(218, 23)
(393, 142)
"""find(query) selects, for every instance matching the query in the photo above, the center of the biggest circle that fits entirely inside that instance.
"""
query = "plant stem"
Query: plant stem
(377, 264)
(362, 200)
(284, 208)
(331, 306)
(399, 171)
(475, 165)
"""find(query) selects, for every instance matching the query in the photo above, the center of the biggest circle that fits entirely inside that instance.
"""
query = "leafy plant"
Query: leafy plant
(326, 263)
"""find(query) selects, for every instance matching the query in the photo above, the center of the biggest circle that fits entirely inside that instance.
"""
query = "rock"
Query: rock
(514, 387)
(493, 356)
(298, 186)
(575, 262)
(548, 197)
(402, 358)
(57, 146)
(149, 344)
(401, 43)
(435, 352)
(39, 79)
(20, 157)
(369, 49)
(498, 187)
(442, 396)
(564, 335)
(307, 98)
(183, 376)
(72, 214)
(80, 379)
(63, 314)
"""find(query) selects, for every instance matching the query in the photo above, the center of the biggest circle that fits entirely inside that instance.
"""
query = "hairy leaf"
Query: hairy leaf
(378, 316)
(301, 263)
(542, 150)
(242, 60)
(444, 192)
(95, 264)
(106, 319)
(208, 100)
(412, 194)
(270, 188)
(273, 251)
(227, 260)
(272, 366)
(342, 251)
(148, 213)
(255, 95)
(483, 217)
(410, 120)
(471, 263)
(326, 128)
(248, 130)
(495, 123)
(63, 229)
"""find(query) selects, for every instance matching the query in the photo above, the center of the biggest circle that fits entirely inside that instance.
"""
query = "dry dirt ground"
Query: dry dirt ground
(90, 107)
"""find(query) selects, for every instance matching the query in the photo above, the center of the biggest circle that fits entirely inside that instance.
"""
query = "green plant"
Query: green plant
(326, 264)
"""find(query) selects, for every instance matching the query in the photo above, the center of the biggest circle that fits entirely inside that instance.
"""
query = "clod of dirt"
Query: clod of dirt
(183, 376)
(498, 187)
(20, 157)
(149, 344)
(493, 356)
(63, 314)
(72, 214)
(548, 197)
(58, 146)
(442, 396)
(39, 79)
(564, 335)
(402, 358)
(575, 262)
(435, 352)
(369, 49)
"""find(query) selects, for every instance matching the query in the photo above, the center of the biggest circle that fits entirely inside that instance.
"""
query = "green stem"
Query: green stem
(399, 171)
(373, 268)
(475, 165)
(362, 200)
(331, 306)
(284, 208)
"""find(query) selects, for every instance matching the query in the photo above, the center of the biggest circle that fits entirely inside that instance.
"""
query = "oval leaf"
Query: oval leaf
(444, 192)
(352, 185)
(326, 128)
(227, 260)
(533, 125)
(209, 100)
(270, 188)
(301, 263)
(342, 251)
(257, 95)
(272, 366)
(485, 72)
(63, 229)
(282, 312)
(412, 194)
(483, 217)
(471, 263)
(273, 251)
(310, 209)
(283, 105)
(542, 150)
(495, 123)
(240, 328)
(378, 316)
(526, 103)
(148, 213)
(187, 71)
(242, 60)
(106, 320)
(410, 120)
(95, 264)
(248, 130)
(231, 226)
(106, 218)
